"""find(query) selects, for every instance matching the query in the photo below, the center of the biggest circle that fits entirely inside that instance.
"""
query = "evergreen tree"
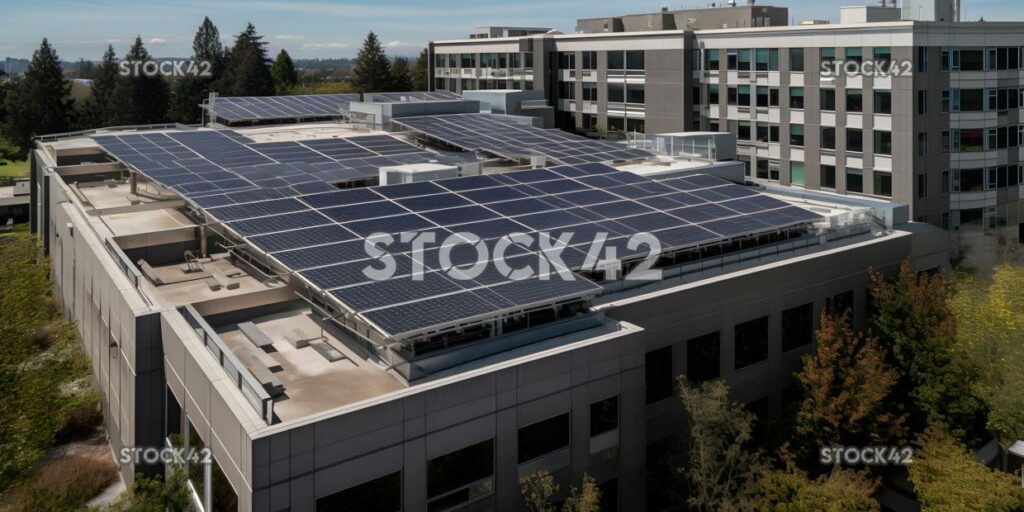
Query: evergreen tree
(190, 91)
(847, 386)
(39, 103)
(96, 112)
(420, 72)
(246, 67)
(401, 77)
(371, 71)
(138, 98)
(284, 74)
(916, 325)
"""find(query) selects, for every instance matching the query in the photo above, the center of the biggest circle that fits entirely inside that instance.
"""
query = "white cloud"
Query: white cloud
(325, 46)
(157, 41)
(402, 44)
(289, 37)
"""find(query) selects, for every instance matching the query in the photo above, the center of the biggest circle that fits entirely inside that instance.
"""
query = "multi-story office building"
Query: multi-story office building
(187, 259)
(939, 130)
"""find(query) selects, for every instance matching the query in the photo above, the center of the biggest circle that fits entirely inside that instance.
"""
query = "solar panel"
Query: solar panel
(254, 108)
(514, 138)
(411, 97)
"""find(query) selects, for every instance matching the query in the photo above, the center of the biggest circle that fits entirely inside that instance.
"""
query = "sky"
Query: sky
(322, 29)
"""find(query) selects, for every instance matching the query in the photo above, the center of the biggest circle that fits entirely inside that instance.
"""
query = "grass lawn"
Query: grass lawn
(14, 169)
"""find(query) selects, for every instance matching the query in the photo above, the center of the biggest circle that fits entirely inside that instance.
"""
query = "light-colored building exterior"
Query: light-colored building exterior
(905, 133)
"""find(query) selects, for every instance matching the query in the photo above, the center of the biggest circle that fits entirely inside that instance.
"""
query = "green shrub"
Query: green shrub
(62, 484)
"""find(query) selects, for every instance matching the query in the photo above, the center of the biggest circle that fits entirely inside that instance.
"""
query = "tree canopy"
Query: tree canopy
(96, 112)
(371, 71)
(139, 98)
(284, 73)
(40, 102)
(246, 67)
(790, 490)
(401, 75)
(420, 72)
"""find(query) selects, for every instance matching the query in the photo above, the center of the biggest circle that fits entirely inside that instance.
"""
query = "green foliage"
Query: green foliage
(539, 487)
(401, 75)
(8, 151)
(96, 111)
(947, 478)
(40, 101)
(246, 67)
(168, 494)
(206, 46)
(790, 490)
(189, 91)
(420, 72)
(284, 74)
(371, 71)
(721, 472)
(990, 330)
(39, 358)
(847, 388)
(915, 324)
(137, 98)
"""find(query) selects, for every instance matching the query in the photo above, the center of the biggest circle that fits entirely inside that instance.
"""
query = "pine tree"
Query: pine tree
(96, 112)
(847, 389)
(39, 103)
(189, 91)
(246, 67)
(420, 72)
(138, 98)
(401, 78)
(284, 74)
(371, 71)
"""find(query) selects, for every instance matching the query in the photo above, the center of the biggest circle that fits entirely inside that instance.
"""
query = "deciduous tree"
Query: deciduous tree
(947, 478)
(538, 488)
(847, 387)
(40, 102)
(790, 490)
(720, 472)
(914, 323)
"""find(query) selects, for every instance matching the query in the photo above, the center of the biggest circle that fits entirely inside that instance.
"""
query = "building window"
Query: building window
(713, 94)
(855, 55)
(969, 60)
(922, 143)
(828, 137)
(567, 90)
(732, 93)
(751, 342)
(922, 186)
(828, 99)
(703, 353)
(840, 303)
(616, 93)
(922, 59)
(468, 60)
(882, 56)
(883, 102)
(731, 59)
(796, 97)
(762, 169)
(658, 374)
(883, 142)
(451, 477)
(711, 60)
(797, 327)
(544, 437)
(796, 173)
(854, 140)
(762, 96)
(944, 102)
(635, 60)
(604, 416)
(796, 135)
(590, 60)
(743, 95)
(635, 94)
(969, 180)
(922, 102)
(796, 59)
(828, 176)
(743, 60)
(883, 183)
(743, 130)
(383, 494)
(854, 180)
(828, 55)
(854, 100)
(589, 91)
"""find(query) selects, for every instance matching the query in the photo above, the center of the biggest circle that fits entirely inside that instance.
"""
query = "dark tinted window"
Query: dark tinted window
(840, 303)
(544, 437)
(658, 374)
(460, 468)
(797, 327)
(604, 415)
(383, 494)
(751, 342)
(702, 357)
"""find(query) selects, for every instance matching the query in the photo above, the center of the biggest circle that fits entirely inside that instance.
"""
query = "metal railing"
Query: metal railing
(131, 127)
(122, 261)
(251, 388)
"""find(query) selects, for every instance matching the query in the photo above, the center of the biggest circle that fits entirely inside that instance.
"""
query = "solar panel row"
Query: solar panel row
(411, 97)
(253, 108)
(509, 137)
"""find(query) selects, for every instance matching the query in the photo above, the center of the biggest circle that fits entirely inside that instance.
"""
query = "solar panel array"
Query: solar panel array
(255, 108)
(505, 137)
(412, 97)
(203, 165)
(274, 196)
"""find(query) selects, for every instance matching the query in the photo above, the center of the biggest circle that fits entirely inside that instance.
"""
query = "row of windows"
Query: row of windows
(617, 93)
(617, 60)
(467, 474)
(990, 178)
(472, 84)
(974, 140)
(703, 353)
(986, 59)
(979, 100)
(882, 180)
(769, 97)
(486, 60)
(767, 59)
(765, 132)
